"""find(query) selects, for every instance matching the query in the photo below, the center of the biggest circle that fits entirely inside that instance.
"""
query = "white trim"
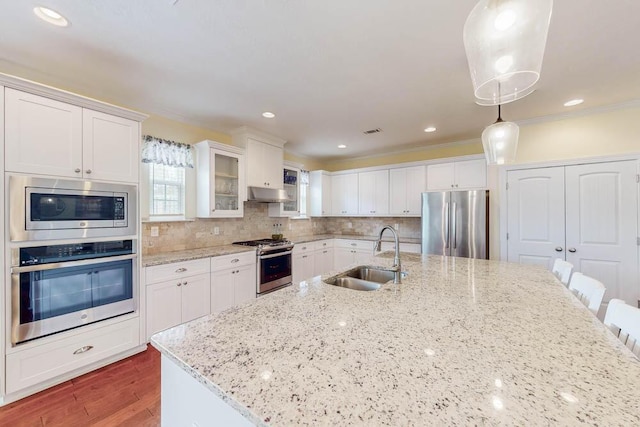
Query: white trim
(68, 97)
(410, 164)
(580, 113)
(289, 164)
(502, 183)
(247, 132)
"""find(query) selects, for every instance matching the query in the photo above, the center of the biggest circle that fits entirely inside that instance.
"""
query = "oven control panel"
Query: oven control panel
(75, 251)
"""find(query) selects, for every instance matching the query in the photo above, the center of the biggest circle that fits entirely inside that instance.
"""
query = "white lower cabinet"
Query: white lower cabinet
(414, 248)
(303, 262)
(323, 257)
(349, 252)
(42, 363)
(176, 293)
(233, 280)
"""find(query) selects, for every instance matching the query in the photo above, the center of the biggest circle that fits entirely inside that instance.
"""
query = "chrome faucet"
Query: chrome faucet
(397, 267)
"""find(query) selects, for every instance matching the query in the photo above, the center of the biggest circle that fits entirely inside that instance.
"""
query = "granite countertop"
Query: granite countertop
(459, 342)
(385, 238)
(188, 255)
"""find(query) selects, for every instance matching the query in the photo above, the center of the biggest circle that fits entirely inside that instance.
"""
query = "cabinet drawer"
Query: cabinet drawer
(39, 364)
(176, 270)
(323, 244)
(301, 248)
(404, 247)
(234, 260)
(354, 244)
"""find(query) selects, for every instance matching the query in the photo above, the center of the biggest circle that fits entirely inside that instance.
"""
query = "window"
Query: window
(167, 185)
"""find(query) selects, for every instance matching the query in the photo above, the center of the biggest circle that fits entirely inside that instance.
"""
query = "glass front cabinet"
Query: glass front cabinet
(221, 180)
(291, 184)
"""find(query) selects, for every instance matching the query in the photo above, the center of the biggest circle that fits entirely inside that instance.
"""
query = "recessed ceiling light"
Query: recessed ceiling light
(573, 102)
(50, 16)
(268, 115)
(342, 146)
(430, 129)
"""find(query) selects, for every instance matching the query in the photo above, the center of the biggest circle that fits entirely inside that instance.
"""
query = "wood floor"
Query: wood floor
(126, 393)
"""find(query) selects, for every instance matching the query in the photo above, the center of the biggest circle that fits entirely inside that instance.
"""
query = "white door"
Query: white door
(470, 174)
(42, 136)
(164, 308)
(416, 185)
(440, 176)
(273, 164)
(196, 298)
(343, 257)
(601, 205)
(344, 194)
(222, 295)
(110, 147)
(245, 284)
(373, 193)
(535, 216)
(323, 261)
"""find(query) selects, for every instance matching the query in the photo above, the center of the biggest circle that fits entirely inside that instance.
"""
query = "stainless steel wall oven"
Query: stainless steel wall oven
(59, 287)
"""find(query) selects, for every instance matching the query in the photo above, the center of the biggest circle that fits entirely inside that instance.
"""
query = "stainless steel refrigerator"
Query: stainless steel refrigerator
(456, 223)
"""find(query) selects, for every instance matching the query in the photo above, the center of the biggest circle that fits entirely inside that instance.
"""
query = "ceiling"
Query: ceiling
(329, 70)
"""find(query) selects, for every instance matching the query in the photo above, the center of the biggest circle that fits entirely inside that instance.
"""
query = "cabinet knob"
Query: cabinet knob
(181, 270)
(559, 249)
(78, 170)
(235, 260)
(179, 284)
(83, 349)
(88, 171)
(572, 250)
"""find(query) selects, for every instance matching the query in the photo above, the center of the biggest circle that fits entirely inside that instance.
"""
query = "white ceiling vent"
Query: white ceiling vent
(372, 131)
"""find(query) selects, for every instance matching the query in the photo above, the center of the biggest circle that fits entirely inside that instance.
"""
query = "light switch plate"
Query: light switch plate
(155, 231)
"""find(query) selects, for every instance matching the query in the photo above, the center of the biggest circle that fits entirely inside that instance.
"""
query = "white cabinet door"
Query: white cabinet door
(110, 147)
(222, 285)
(440, 176)
(343, 257)
(164, 306)
(344, 194)
(470, 174)
(536, 215)
(303, 266)
(601, 207)
(373, 193)
(405, 188)
(42, 136)
(319, 193)
(196, 297)
(245, 284)
(323, 261)
(362, 256)
(264, 164)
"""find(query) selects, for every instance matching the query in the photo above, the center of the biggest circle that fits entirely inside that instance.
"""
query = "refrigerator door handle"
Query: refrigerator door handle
(453, 225)
(446, 224)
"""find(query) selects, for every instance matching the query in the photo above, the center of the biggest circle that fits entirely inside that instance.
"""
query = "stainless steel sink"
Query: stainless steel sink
(362, 278)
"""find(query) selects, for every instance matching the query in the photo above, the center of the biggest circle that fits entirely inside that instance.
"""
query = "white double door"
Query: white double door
(586, 214)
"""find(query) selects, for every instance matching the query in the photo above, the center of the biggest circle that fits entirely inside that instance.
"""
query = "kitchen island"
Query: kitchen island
(459, 342)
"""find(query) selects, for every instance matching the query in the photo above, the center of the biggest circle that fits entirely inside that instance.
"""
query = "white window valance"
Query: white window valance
(164, 152)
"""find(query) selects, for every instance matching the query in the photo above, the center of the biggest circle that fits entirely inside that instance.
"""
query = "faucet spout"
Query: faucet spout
(397, 266)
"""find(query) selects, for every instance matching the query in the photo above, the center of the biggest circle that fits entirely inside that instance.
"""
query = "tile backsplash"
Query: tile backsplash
(176, 236)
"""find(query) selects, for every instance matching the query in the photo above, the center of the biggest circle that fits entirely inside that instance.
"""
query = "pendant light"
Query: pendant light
(505, 41)
(500, 141)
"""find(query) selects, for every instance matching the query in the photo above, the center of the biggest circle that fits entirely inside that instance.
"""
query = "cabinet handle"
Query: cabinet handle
(181, 270)
(179, 284)
(185, 283)
(83, 349)
(354, 244)
(559, 249)
(324, 252)
(572, 250)
(233, 261)
(213, 210)
(88, 171)
(78, 170)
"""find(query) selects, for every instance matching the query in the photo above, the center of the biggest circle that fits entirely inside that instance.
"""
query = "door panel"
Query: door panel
(469, 224)
(435, 223)
(536, 215)
(601, 204)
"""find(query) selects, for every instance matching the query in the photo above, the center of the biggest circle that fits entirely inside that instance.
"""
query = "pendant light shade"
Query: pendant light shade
(505, 41)
(500, 141)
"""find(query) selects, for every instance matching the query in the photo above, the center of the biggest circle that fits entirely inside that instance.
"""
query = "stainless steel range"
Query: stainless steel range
(274, 263)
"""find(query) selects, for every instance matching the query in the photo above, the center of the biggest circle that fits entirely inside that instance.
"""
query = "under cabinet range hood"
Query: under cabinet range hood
(267, 195)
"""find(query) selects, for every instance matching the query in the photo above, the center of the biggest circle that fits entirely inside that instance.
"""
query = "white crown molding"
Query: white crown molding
(69, 97)
(246, 131)
(580, 113)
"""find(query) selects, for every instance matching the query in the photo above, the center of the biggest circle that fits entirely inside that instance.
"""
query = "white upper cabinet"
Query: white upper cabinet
(405, 188)
(264, 155)
(221, 186)
(291, 182)
(110, 147)
(48, 137)
(344, 194)
(373, 193)
(320, 193)
(42, 136)
(460, 175)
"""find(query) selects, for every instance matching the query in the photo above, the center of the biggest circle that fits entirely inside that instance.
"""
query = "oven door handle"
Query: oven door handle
(53, 266)
(275, 255)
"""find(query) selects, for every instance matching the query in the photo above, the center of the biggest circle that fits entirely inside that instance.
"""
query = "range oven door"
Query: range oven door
(54, 297)
(274, 270)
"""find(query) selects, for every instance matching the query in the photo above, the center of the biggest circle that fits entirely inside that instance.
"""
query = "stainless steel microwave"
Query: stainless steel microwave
(47, 209)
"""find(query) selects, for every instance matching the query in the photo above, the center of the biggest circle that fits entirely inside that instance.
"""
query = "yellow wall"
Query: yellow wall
(610, 133)
(172, 130)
